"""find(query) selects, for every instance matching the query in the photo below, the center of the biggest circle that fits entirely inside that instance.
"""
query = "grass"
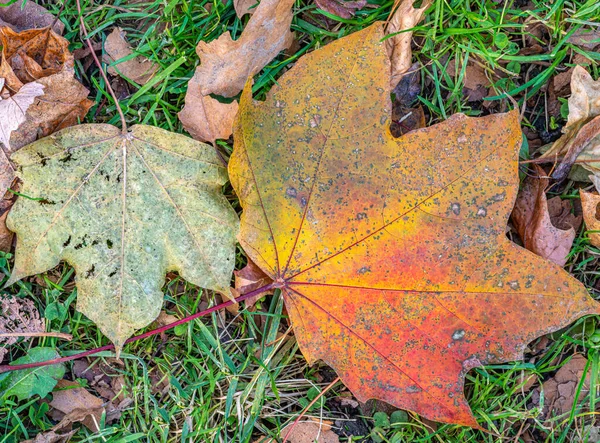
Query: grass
(235, 377)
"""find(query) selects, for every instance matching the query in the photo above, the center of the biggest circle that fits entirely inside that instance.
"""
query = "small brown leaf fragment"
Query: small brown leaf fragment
(341, 8)
(73, 403)
(52, 437)
(227, 64)
(243, 7)
(532, 220)
(398, 47)
(17, 315)
(591, 210)
(560, 392)
(138, 69)
(581, 139)
(248, 279)
(23, 15)
(306, 431)
(204, 117)
(585, 38)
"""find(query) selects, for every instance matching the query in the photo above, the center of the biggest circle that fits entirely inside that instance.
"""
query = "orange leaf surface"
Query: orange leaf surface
(390, 253)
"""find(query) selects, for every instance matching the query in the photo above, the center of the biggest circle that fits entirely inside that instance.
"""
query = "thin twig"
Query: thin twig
(108, 86)
(548, 160)
(8, 368)
(305, 410)
(37, 334)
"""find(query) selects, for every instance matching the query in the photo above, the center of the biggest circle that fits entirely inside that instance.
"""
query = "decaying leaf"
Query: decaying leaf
(531, 218)
(42, 56)
(12, 113)
(225, 65)
(590, 204)
(309, 431)
(138, 69)
(24, 15)
(204, 117)
(123, 209)
(71, 403)
(581, 139)
(26, 383)
(243, 7)
(52, 437)
(391, 254)
(17, 315)
(398, 46)
(251, 278)
(560, 391)
(341, 8)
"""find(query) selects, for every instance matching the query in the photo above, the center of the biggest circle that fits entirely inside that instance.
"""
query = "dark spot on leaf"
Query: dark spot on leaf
(109, 244)
(67, 242)
(90, 272)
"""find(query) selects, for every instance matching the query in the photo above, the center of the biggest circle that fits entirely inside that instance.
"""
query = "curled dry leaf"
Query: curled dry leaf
(391, 253)
(53, 437)
(204, 117)
(243, 7)
(341, 8)
(560, 391)
(123, 209)
(250, 278)
(17, 315)
(581, 139)
(225, 65)
(42, 56)
(532, 220)
(71, 403)
(138, 69)
(24, 15)
(398, 46)
(590, 204)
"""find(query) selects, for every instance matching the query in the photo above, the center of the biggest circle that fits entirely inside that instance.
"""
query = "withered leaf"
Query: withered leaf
(560, 391)
(590, 203)
(532, 220)
(138, 69)
(75, 404)
(24, 15)
(398, 47)
(581, 139)
(204, 117)
(341, 8)
(225, 65)
(243, 7)
(391, 254)
(17, 315)
(123, 209)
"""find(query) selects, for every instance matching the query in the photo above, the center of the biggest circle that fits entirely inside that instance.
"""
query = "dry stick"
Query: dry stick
(554, 160)
(321, 394)
(108, 86)
(37, 334)
(8, 368)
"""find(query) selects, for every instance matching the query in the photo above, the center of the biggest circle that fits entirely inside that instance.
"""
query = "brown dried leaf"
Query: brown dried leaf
(581, 139)
(532, 220)
(205, 118)
(243, 7)
(138, 69)
(248, 279)
(52, 437)
(341, 8)
(398, 47)
(560, 391)
(308, 431)
(73, 403)
(585, 38)
(227, 64)
(591, 213)
(21, 16)
(17, 315)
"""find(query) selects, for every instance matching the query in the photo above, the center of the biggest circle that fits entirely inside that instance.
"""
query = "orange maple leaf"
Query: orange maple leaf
(391, 253)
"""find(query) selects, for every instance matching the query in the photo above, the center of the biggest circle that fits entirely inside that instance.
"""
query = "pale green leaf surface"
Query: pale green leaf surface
(35, 381)
(123, 209)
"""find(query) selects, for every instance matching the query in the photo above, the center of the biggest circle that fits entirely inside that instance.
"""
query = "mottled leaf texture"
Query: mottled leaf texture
(391, 253)
(123, 209)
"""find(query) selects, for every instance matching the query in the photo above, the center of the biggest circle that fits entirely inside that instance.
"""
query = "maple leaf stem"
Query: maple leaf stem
(93, 53)
(9, 368)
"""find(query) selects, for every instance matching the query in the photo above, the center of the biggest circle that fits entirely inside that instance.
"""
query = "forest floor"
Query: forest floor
(239, 376)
